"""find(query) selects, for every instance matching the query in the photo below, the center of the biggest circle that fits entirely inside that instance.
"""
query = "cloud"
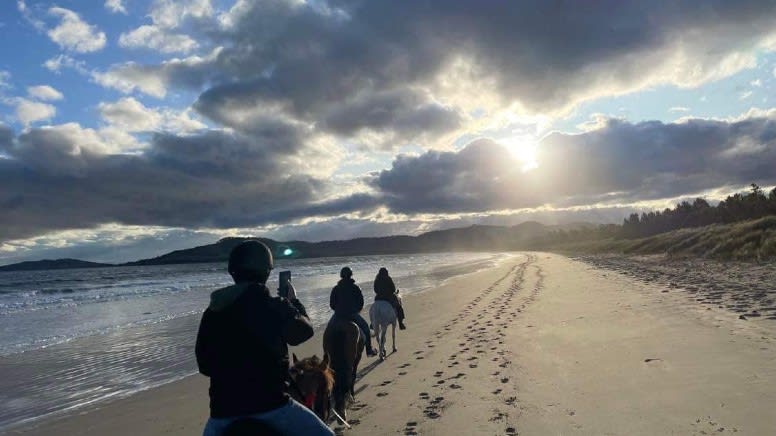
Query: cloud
(171, 14)
(190, 72)
(131, 115)
(74, 34)
(70, 177)
(115, 6)
(679, 109)
(386, 74)
(618, 163)
(39, 25)
(5, 77)
(157, 39)
(57, 63)
(29, 111)
(45, 93)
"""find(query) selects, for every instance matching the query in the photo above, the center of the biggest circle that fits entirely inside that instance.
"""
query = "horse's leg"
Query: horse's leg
(359, 352)
(383, 329)
(393, 334)
(372, 325)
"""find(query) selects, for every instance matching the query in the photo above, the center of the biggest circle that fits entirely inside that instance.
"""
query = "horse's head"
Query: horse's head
(315, 381)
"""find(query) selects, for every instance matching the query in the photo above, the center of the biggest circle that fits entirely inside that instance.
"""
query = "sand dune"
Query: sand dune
(540, 344)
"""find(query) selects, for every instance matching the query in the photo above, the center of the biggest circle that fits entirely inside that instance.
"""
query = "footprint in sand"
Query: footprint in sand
(505, 380)
(432, 414)
(455, 386)
(382, 394)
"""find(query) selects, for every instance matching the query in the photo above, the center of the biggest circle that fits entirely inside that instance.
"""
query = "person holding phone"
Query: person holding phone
(242, 346)
(346, 301)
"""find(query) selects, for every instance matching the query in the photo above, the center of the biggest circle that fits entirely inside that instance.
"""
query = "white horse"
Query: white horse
(382, 314)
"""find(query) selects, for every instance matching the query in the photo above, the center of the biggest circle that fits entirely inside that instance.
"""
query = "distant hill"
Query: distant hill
(52, 264)
(472, 238)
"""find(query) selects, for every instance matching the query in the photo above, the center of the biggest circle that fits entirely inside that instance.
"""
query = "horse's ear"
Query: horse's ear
(325, 362)
(295, 360)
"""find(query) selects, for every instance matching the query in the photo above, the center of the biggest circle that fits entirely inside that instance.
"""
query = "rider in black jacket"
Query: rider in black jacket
(242, 345)
(346, 301)
(385, 290)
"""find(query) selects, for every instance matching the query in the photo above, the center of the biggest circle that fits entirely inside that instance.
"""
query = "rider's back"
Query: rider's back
(346, 298)
(242, 347)
(384, 287)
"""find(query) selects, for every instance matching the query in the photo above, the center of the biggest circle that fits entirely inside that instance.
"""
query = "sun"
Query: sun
(523, 149)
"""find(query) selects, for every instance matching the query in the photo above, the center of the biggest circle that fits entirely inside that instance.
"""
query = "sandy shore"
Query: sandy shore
(540, 345)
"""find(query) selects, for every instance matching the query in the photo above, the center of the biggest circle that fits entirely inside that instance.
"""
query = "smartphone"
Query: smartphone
(283, 278)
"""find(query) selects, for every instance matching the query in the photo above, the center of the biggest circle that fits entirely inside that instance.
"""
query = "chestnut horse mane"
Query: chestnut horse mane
(313, 364)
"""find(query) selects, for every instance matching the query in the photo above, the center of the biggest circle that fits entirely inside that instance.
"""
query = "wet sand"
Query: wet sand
(540, 344)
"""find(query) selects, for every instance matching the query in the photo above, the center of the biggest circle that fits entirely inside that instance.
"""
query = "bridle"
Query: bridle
(308, 400)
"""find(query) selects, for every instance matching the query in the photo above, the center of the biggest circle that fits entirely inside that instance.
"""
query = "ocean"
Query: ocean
(70, 338)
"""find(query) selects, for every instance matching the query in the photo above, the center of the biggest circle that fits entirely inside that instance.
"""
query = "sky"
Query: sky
(129, 128)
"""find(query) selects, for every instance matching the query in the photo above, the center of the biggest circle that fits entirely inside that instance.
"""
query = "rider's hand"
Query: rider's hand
(291, 292)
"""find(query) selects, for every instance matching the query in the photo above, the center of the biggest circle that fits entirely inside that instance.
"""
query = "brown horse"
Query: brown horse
(342, 341)
(312, 382)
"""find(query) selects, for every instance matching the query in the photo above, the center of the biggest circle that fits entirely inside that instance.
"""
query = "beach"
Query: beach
(538, 344)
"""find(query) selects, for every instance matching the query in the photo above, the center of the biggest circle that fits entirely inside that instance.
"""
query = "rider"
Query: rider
(385, 290)
(347, 301)
(242, 345)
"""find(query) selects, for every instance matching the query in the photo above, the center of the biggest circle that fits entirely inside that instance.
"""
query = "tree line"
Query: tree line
(741, 206)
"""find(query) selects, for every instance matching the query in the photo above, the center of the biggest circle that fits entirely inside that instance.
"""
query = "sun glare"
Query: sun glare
(524, 150)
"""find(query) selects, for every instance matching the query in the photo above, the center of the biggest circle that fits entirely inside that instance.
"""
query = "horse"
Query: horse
(312, 383)
(344, 344)
(381, 315)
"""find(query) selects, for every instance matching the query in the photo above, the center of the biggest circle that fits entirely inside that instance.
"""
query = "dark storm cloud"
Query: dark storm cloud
(6, 138)
(214, 179)
(349, 65)
(401, 109)
(620, 162)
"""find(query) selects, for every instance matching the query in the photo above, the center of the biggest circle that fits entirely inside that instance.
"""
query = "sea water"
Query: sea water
(69, 338)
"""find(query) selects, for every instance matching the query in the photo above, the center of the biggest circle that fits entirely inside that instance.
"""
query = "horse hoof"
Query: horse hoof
(394, 350)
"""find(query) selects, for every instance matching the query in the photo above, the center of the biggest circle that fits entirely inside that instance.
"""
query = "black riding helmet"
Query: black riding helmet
(250, 257)
(346, 272)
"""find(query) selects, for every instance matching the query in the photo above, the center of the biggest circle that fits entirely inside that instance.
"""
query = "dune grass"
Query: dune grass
(753, 240)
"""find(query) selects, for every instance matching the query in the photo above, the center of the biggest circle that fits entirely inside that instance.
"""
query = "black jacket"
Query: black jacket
(384, 287)
(346, 298)
(242, 345)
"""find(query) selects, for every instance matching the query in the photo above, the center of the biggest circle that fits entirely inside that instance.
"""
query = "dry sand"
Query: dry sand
(541, 344)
